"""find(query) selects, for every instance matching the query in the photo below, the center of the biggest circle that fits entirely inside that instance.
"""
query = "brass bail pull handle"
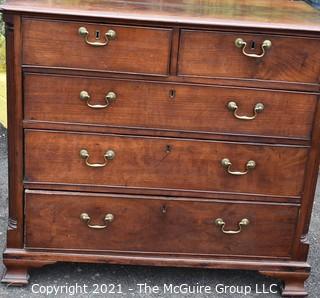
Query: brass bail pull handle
(233, 107)
(110, 35)
(108, 218)
(227, 164)
(240, 43)
(109, 98)
(220, 223)
(108, 156)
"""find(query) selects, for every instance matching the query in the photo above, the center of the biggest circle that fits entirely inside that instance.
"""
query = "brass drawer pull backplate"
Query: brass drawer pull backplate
(227, 164)
(233, 107)
(107, 219)
(108, 156)
(109, 98)
(243, 223)
(110, 35)
(240, 43)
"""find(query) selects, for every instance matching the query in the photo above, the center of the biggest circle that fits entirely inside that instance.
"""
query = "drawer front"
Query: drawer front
(157, 225)
(214, 54)
(168, 106)
(163, 164)
(133, 50)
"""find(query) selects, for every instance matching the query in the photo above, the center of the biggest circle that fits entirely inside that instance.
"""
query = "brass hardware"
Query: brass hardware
(233, 107)
(109, 98)
(172, 93)
(226, 163)
(109, 155)
(240, 43)
(110, 35)
(107, 219)
(243, 223)
(164, 209)
(168, 148)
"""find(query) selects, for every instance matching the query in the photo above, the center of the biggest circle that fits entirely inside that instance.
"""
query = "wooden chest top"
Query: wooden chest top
(269, 14)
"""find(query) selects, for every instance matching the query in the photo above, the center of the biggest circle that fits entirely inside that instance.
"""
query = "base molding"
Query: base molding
(17, 268)
(292, 273)
(293, 282)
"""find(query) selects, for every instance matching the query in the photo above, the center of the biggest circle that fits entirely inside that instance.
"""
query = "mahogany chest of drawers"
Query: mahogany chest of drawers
(170, 133)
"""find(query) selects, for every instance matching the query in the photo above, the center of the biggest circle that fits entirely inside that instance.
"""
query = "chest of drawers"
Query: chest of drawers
(168, 133)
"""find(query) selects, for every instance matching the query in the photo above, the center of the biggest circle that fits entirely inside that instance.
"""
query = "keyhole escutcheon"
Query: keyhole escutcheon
(168, 148)
(172, 94)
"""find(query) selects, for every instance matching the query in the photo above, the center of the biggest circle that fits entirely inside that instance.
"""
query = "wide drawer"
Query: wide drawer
(178, 107)
(215, 54)
(142, 50)
(163, 163)
(145, 224)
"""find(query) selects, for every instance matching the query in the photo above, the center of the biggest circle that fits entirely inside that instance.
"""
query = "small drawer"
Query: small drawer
(82, 221)
(163, 164)
(248, 56)
(104, 47)
(176, 107)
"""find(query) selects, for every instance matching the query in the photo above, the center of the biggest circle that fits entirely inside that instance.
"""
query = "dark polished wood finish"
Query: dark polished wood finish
(173, 78)
(175, 107)
(293, 282)
(264, 14)
(15, 132)
(34, 259)
(134, 50)
(166, 164)
(174, 67)
(17, 275)
(214, 54)
(175, 226)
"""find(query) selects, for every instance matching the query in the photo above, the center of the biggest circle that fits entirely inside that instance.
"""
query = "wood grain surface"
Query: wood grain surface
(157, 225)
(188, 108)
(134, 50)
(274, 14)
(214, 54)
(161, 163)
(174, 66)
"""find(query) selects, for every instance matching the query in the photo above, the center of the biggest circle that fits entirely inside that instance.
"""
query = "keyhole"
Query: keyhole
(172, 93)
(98, 34)
(164, 209)
(253, 45)
(168, 148)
